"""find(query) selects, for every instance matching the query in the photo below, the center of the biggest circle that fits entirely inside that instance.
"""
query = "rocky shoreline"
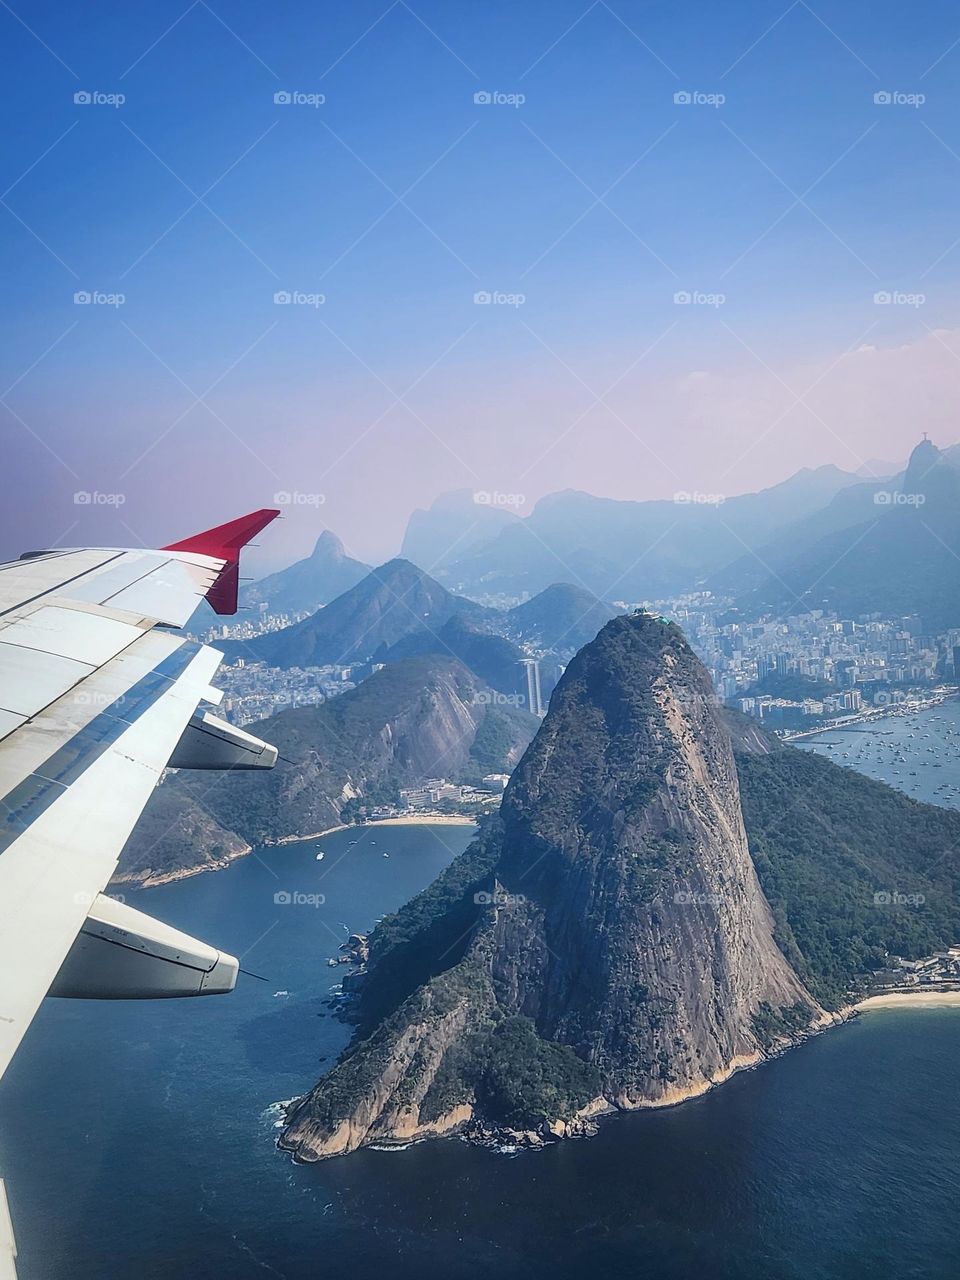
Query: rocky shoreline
(151, 881)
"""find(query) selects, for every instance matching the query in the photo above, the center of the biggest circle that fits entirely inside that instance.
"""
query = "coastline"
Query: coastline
(406, 820)
(868, 714)
(909, 999)
(184, 873)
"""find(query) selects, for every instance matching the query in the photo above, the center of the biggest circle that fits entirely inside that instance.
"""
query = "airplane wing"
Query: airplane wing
(97, 694)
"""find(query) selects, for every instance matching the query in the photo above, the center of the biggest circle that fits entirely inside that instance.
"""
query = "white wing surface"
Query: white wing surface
(96, 695)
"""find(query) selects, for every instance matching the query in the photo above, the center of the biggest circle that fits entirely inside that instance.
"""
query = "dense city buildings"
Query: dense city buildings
(802, 670)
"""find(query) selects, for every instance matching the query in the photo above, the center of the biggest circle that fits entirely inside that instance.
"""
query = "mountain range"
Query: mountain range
(822, 538)
(397, 611)
(636, 550)
(419, 718)
(890, 547)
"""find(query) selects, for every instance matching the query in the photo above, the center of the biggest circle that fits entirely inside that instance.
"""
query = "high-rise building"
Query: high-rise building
(534, 700)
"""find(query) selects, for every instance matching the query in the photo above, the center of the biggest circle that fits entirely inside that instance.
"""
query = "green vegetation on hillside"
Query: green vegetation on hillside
(525, 1079)
(853, 869)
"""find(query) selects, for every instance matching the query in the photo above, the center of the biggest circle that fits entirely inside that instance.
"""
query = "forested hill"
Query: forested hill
(843, 860)
(423, 717)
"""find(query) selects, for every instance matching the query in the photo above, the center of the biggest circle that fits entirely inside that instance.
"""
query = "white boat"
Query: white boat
(320, 856)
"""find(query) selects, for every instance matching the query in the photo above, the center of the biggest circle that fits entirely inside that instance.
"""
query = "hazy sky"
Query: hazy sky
(782, 197)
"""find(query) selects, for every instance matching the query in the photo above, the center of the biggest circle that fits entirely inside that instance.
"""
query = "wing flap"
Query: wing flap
(30, 680)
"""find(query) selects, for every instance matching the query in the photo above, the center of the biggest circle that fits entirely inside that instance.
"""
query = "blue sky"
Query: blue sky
(597, 198)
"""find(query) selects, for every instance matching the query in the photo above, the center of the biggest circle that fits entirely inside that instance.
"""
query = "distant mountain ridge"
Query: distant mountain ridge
(890, 547)
(452, 526)
(309, 583)
(398, 611)
(637, 550)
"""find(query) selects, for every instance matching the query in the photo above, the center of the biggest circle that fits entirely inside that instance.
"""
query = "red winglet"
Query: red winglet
(224, 543)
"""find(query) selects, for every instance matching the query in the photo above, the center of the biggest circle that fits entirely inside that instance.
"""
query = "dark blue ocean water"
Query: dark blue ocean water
(138, 1140)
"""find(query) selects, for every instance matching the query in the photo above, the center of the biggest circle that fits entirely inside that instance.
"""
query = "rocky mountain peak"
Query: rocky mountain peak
(621, 951)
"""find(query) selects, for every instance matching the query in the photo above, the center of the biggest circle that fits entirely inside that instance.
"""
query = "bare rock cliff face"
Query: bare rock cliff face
(640, 935)
(622, 948)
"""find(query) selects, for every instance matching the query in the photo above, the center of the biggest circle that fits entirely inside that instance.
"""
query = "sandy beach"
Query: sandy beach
(408, 820)
(425, 819)
(910, 1000)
